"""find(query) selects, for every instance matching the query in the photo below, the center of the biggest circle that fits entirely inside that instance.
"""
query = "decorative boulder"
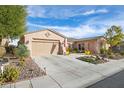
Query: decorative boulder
(2, 51)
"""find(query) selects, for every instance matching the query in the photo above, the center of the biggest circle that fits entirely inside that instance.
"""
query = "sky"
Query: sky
(77, 21)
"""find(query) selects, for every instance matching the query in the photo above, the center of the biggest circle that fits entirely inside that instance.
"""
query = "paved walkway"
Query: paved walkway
(66, 71)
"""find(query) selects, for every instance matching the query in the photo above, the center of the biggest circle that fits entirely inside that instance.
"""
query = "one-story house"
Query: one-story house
(47, 41)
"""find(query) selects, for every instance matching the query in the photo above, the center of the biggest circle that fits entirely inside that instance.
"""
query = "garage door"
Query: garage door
(44, 47)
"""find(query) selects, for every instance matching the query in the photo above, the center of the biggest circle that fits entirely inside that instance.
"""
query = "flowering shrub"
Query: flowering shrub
(87, 52)
(68, 51)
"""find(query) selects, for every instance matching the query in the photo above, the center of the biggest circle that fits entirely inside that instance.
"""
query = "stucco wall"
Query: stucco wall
(92, 45)
(88, 45)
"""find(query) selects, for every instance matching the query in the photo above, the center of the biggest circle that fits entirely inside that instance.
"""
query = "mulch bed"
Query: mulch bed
(92, 59)
(31, 70)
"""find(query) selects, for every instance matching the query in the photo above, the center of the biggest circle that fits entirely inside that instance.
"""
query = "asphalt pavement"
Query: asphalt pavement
(114, 81)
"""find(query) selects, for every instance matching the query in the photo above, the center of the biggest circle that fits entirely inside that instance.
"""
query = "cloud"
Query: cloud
(58, 12)
(117, 19)
(95, 11)
(89, 26)
(36, 11)
(81, 31)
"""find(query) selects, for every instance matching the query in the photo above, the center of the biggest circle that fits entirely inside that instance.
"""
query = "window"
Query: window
(79, 46)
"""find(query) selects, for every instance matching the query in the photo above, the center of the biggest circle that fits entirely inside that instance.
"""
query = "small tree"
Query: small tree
(114, 36)
(12, 21)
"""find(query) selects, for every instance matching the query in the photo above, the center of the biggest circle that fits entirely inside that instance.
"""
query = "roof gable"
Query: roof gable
(57, 33)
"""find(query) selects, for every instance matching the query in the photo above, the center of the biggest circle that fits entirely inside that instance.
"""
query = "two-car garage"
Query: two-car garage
(44, 42)
(45, 47)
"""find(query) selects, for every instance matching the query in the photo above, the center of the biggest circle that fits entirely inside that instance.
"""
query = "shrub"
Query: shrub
(122, 53)
(10, 74)
(21, 51)
(88, 59)
(103, 51)
(22, 63)
(75, 50)
(2, 51)
(110, 52)
(68, 51)
(87, 52)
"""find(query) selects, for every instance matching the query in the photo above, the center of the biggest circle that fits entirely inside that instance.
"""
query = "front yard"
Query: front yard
(29, 70)
(17, 65)
(14, 71)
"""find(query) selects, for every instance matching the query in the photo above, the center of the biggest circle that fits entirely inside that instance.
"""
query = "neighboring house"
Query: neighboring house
(13, 42)
(46, 42)
(119, 48)
(6, 42)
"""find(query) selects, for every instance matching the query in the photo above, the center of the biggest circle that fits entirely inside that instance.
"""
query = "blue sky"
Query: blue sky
(75, 21)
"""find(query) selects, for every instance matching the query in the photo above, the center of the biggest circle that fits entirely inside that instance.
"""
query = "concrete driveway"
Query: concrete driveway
(67, 71)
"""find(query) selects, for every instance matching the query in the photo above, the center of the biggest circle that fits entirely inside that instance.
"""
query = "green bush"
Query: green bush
(10, 74)
(21, 51)
(110, 52)
(104, 51)
(89, 59)
(75, 50)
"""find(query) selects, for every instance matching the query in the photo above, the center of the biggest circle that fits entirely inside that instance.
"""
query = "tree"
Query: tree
(12, 21)
(114, 36)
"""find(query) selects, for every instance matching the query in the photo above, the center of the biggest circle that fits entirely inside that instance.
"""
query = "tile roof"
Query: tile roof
(84, 39)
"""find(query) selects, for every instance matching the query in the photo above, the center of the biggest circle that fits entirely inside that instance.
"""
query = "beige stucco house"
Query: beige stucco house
(47, 42)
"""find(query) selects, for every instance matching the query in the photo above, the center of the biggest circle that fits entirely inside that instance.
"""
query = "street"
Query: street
(114, 81)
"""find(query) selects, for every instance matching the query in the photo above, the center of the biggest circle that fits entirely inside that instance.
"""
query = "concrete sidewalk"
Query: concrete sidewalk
(68, 72)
